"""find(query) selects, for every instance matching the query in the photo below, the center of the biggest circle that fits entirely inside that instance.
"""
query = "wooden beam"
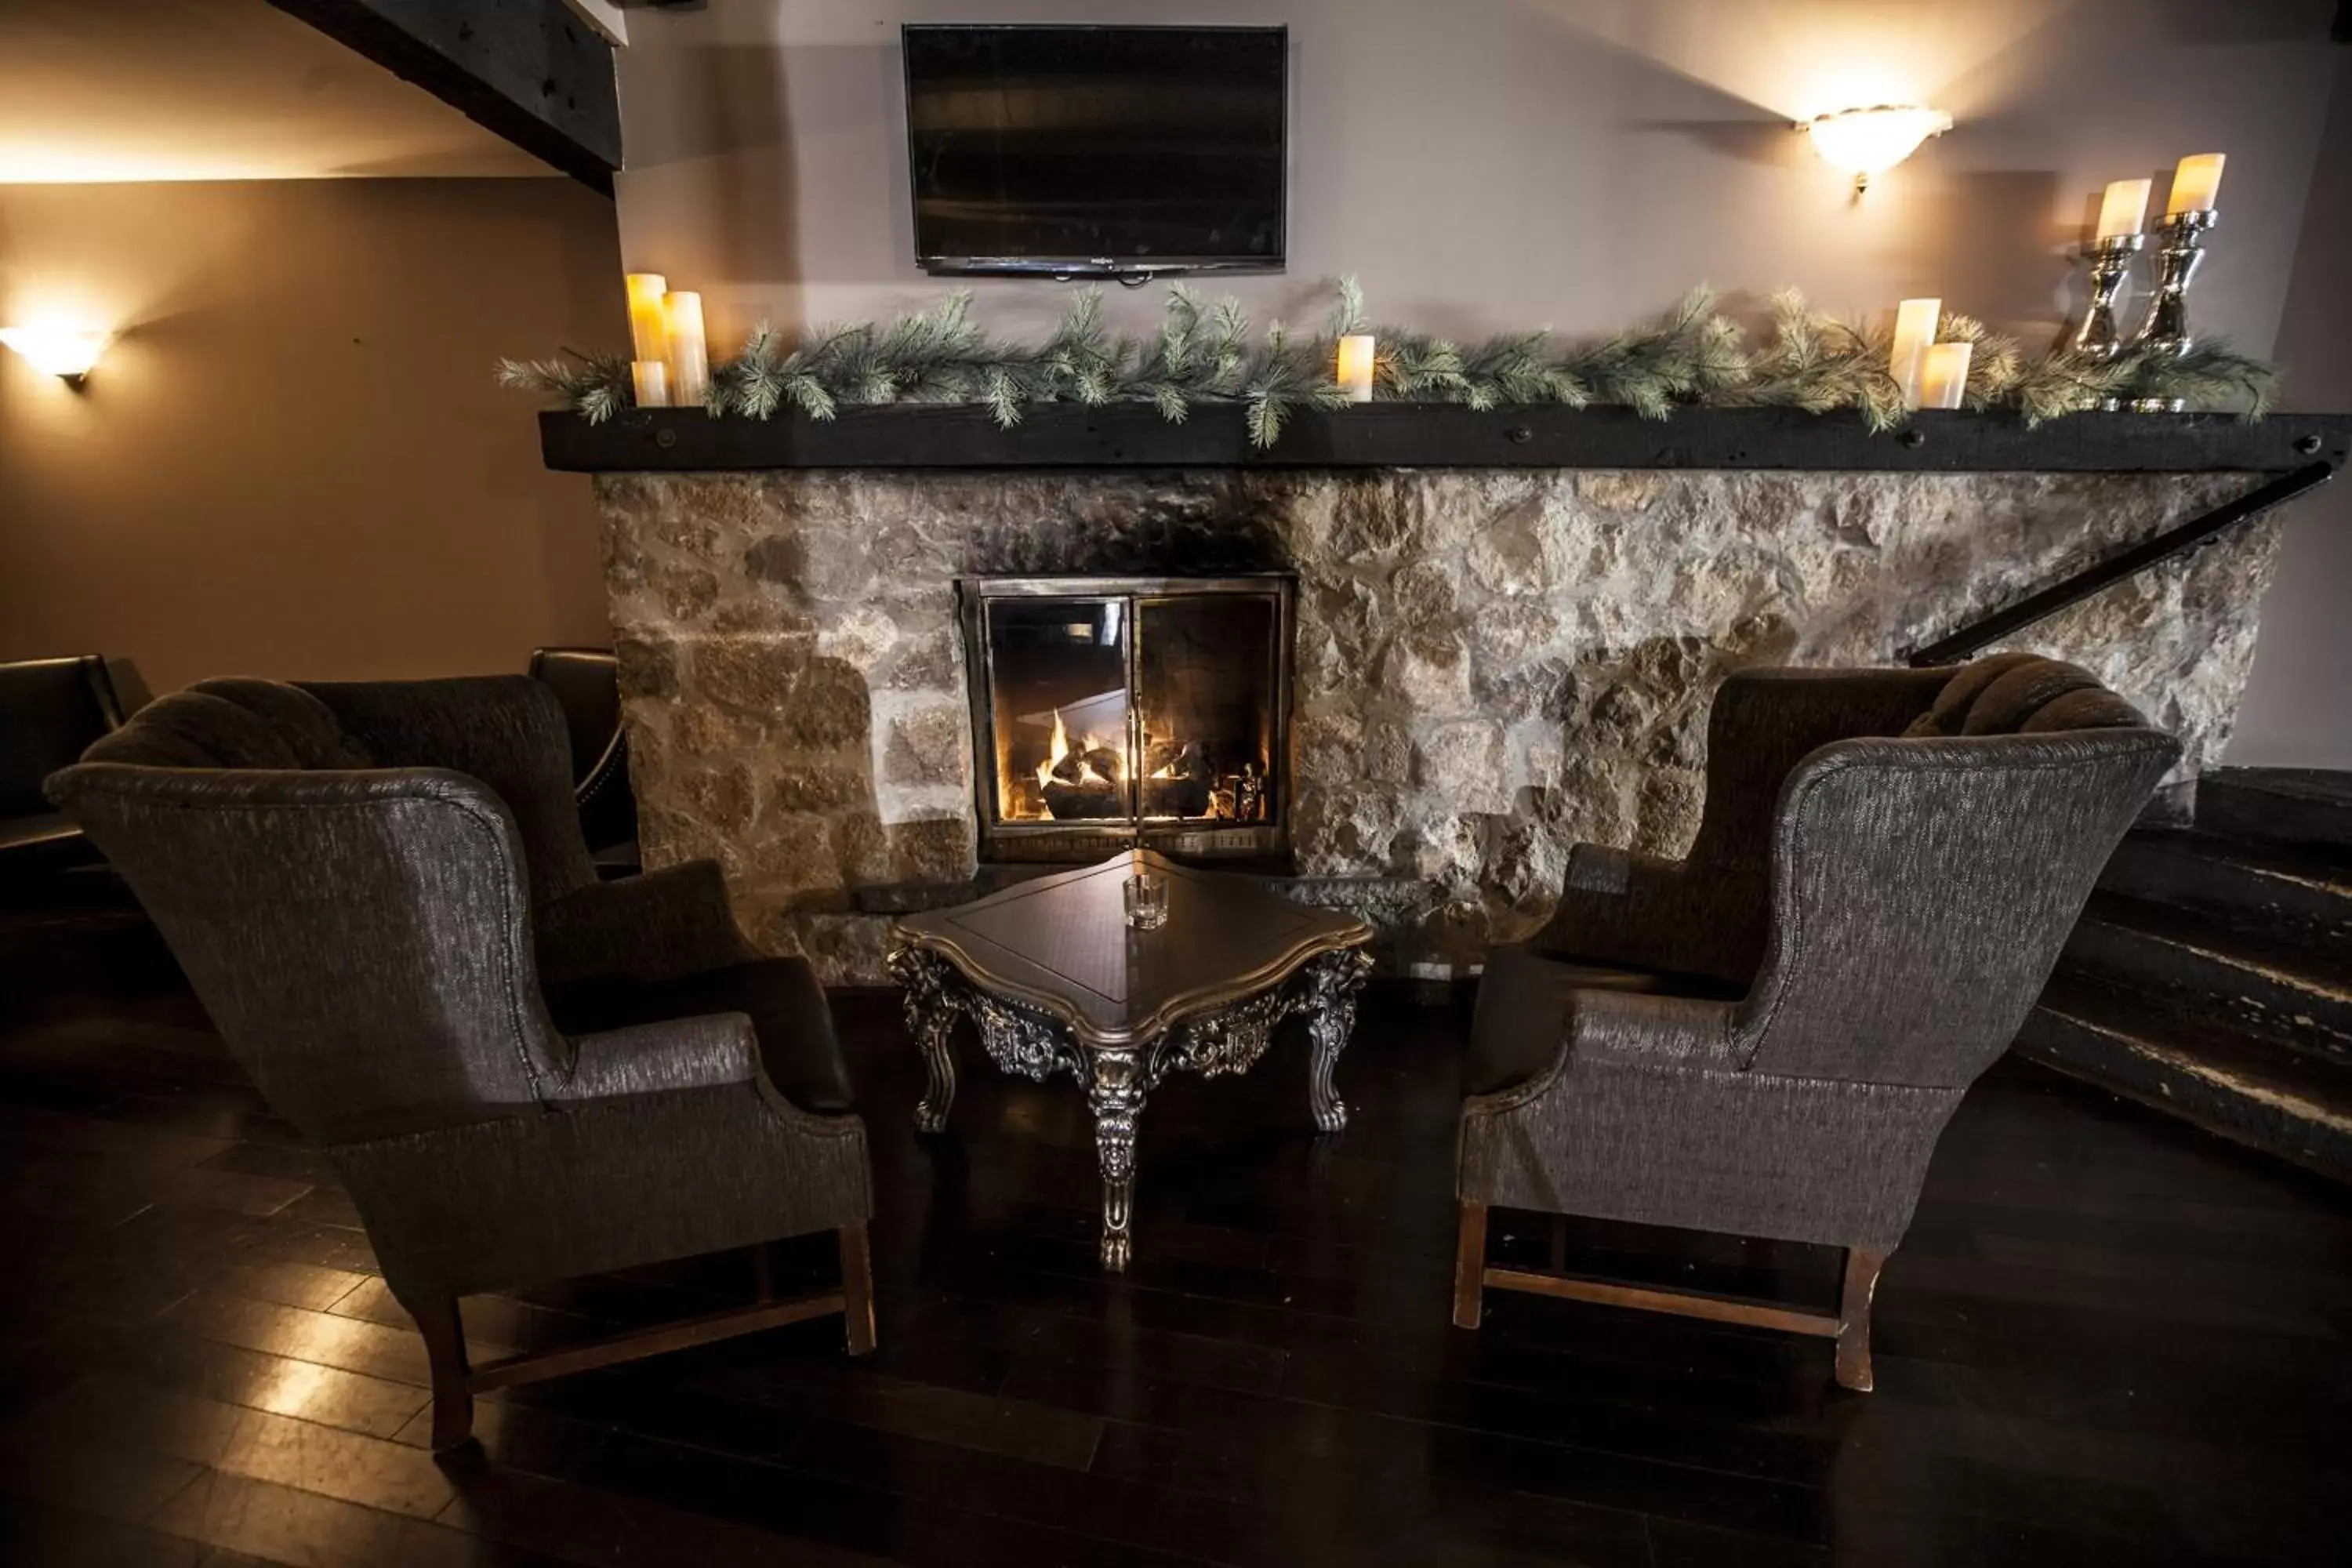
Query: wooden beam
(531, 72)
(674, 1336)
(1861, 1270)
(1682, 1303)
(1470, 1266)
(1440, 436)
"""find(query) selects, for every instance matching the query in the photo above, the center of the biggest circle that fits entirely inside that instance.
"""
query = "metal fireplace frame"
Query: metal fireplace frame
(1003, 841)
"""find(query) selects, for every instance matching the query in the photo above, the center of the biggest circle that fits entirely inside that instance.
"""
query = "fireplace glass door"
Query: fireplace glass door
(1112, 712)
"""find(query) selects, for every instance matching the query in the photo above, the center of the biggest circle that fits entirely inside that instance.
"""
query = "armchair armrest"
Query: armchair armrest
(1537, 1029)
(1641, 1029)
(653, 927)
(704, 1052)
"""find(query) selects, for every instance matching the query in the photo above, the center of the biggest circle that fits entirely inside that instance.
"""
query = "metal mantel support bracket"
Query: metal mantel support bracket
(2190, 535)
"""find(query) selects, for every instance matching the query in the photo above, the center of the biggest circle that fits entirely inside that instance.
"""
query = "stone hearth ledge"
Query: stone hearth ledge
(1493, 663)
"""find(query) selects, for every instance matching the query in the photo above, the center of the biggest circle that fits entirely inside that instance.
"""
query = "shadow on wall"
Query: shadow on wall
(715, 127)
(758, 752)
(1769, 144)
(2025, 286)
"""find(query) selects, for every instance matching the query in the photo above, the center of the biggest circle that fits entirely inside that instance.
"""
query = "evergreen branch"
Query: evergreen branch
(2209, 373)
(1194, 357)
(1995, 362)
(1347, 311)
(1690, 353)
(1818, 364)
(2066, 382)
(594, 386)
(1281, 378)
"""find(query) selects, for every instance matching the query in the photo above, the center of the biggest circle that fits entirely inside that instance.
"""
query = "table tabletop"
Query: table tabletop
(1061, 944)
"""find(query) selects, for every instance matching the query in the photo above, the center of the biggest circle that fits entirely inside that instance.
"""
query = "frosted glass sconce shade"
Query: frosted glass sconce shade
(1867, 142)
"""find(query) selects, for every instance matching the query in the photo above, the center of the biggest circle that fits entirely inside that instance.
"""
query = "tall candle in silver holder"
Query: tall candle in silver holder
(2189, 215)
(2180, 248)
(2121, 213)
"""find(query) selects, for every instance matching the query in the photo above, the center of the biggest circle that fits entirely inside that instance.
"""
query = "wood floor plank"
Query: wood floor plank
(285, 1524)
(56, 1536)
(184, 1363)
(235, 1439)
(352, 1344)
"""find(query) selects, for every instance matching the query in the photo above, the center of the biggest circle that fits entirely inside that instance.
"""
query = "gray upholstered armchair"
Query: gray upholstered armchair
(380, 895)
(1766, 1037)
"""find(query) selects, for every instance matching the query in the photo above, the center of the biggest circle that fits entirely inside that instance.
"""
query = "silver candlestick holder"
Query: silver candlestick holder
(2110, 261)
(2165, 331)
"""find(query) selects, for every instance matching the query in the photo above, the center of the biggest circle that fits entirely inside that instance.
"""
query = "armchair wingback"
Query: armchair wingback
(353, 892)
(1767, 1037)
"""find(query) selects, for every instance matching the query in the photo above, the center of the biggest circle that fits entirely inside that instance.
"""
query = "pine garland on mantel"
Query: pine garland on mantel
(1203, 354)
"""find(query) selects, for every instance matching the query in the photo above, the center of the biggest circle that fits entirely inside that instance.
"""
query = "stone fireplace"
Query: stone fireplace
(1113, 711)
(1490, 663)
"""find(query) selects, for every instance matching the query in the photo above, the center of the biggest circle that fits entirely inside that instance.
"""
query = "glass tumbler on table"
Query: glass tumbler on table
(1146, 902)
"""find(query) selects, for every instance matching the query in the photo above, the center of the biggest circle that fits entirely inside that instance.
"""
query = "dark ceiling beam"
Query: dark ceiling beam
(527, 70)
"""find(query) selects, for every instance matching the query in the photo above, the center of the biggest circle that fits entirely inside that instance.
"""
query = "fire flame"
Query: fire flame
(1061, 750)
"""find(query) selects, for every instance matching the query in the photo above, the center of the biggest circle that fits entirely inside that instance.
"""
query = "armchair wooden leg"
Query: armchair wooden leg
(1862, 1269)
(1470, 1266)
(453, 1379)
(858, 1289)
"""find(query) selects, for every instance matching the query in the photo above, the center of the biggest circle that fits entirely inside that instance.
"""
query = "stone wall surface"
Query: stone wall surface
(1491, 665)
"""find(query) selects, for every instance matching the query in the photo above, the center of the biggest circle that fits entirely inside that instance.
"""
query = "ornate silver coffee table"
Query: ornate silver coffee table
(1052, 978)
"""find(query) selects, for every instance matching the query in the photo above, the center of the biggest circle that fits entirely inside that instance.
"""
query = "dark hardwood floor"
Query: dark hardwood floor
(2108, 1339)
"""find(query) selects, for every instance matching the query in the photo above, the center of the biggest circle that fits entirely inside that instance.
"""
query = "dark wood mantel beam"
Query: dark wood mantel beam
(1407, 435)
(529, 70)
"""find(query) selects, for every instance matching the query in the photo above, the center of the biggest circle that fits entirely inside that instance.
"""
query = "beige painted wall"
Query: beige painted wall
(1487, 163)
(295, 462)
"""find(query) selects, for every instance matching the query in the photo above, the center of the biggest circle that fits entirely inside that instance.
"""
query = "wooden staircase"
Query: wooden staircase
(2212, 973)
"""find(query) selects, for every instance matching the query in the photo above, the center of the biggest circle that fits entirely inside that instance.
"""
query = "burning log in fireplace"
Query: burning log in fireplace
(1087, 781)
(1182, 785)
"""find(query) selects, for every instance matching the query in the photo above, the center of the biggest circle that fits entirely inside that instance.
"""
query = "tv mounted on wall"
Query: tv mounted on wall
(1100, 152)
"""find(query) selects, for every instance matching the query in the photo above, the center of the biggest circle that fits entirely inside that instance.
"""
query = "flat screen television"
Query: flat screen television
(1110, 152)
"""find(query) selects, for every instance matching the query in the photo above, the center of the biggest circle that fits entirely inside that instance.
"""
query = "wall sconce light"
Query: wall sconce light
(60, 351)
(1865, 142)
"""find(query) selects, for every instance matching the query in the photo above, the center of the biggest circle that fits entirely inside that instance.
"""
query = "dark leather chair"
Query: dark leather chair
(586, 681)
(522, 1074)
(49, 710)
(1766, 1037)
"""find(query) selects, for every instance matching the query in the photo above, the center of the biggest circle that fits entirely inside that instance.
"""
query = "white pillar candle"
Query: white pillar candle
(2124, 210)
(1355, 370)
(1944, 375)
(2195, 183)
(645, 330)
(1914, 329)
(649, 378)
(689, 359)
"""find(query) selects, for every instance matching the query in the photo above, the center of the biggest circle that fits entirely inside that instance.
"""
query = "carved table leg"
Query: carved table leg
(930, 1018)
(1332, 981)
(1114, 1093)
